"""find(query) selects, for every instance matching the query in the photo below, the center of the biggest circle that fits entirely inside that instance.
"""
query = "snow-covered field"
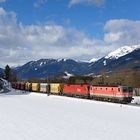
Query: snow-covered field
(40, 117)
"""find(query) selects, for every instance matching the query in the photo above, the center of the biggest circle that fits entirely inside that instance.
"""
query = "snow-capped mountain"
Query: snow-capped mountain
(51, 67)
(127, 57)
(122, 51)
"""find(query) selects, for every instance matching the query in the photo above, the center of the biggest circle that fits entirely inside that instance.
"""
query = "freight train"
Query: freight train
(118, 94)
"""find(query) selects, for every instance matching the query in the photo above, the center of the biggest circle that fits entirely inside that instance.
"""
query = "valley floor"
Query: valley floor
(32, 116)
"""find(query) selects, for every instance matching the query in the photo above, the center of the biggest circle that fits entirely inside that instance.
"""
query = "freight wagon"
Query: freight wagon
(44, 87)
(18, 86)
(56, 88)
(23, 85)
(14, 85)
(28, 86)
(36, 87)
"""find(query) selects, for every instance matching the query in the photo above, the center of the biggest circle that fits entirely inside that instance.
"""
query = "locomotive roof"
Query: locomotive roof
(107, 85)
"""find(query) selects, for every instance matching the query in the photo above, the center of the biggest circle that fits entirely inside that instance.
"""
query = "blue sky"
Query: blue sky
(79, 27)
(88, 18)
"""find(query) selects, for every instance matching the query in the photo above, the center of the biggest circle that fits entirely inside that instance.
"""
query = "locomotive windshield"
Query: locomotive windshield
(127, 89)
(130, 89)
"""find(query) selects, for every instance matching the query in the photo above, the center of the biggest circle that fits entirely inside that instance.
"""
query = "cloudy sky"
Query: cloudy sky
(77, 29)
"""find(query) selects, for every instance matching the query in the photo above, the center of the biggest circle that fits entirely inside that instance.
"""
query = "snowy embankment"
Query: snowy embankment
(35, 116)
(136, 100)
(6, 86)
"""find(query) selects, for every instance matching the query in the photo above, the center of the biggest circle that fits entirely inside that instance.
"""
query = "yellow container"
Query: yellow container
(56, 88)
(35, 87)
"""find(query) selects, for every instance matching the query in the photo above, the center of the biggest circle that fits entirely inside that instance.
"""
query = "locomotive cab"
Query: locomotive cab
(127, 93)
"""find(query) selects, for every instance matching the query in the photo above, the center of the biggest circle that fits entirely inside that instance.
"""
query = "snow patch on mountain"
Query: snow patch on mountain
(67, 75)
(88, 61)
(104, 62)
(41, 63)
(122, 51)
(81, 61)
(93, 60)
(63, 59)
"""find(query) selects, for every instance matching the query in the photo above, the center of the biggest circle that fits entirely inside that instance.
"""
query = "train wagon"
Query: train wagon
(22, 86)
(36, 87)
(113, 93)
(44, 87)
(76, 90)
(14, 85)
(18, 85)
(28, 86)
(56, 88)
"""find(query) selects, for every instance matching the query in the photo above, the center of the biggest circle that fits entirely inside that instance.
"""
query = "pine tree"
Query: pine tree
(7, 72)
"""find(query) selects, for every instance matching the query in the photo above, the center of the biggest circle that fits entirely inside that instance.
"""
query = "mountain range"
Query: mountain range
(126, 57)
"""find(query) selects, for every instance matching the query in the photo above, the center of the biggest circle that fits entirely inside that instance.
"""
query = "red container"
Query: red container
(76, 90)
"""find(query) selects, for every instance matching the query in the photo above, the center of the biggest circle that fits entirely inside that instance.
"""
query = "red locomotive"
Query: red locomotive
(76, 90)
(113, 93)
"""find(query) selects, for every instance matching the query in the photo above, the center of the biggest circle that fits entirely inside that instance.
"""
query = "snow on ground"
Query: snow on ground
(36, 116)
(1, 90)
(6, 85)
(136, 100)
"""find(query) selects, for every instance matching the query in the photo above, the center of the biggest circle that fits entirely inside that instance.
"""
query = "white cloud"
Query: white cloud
(122, 32)
(87, 2)
(39, 3)
(2, 11)
(21, 43)
(2, 1)
(112, 37)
